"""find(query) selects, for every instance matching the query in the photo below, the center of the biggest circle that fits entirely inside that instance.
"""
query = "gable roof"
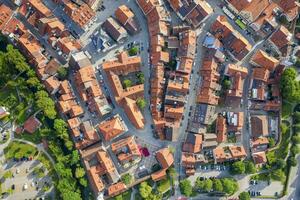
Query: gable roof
(165, 158)
(111, 128)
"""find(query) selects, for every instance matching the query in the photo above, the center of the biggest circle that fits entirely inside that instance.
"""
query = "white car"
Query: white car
(17, 171)
(25, 186)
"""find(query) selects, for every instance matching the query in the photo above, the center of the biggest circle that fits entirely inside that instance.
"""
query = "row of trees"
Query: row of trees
(16, 73)
(242, 167)
(224, 185)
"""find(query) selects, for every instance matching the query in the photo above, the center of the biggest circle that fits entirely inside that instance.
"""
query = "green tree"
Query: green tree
(62, 73)
(217, 185)
(296, 139)
(127, 83)
(230, 186)
(278, 175)
(15, 59)
(33, 82)
(172, 172)
(186, 187)
(238, 167)
(60, 127)
(226, 84)
(145, 190)
(141, 102)
(75, 158)
(296, 117)
(141, 77)
(295, 149)
(79, 172)
(292, 161)
(8, 174)
(204, 185)
(46, 104)
(83, 182)
(289, 86)
(244, 196)
(279, 163)
(271, 142)
(249, 167)
(127, 179)
(133, 51)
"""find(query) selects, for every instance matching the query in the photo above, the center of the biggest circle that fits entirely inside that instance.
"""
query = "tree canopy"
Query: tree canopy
(186, 187)
(238, 167)
(244, 196)
(145, 189)
(141, 102)
(289, 86)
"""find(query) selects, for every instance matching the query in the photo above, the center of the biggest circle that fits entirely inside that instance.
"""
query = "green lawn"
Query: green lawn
(163, 186)
(240, 24)
(19, 150)
(35, 137)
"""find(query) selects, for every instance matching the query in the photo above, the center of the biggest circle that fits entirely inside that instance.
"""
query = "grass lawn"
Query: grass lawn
(19, 150)
(164, 186)
(240, 24)
(287, 109)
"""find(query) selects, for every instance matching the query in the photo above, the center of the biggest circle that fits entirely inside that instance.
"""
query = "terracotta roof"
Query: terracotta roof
(133, 112)
(159, 175)
(281, 37)
(260, 141)
(261, 74)
(259, 158)
(290, 8)
(116, 189)
(147, 5)
(165, 158)
(5, 15)
(221, 129)
(31, 124)
(123, 14)
(237, 152)
(73, 122)
(193, 143)
(239, 5)
(262, 59)
(259, 126)
(81, 15)
(126, 150)
(52, 84)
(111, 128)
(40, 7)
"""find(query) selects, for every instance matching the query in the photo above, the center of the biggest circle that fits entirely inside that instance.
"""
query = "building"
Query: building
(79, 60)
(90, 91)
(165, 158)
(193, 143)
(281, 39)
(114, 30)
(5, 15)
(127, 19)
(262, 59)
(194, 12)
(191, 161)
(112, 128)
(126, 97)
(230, 153)
(52, 84)
(84, 134)
(32, 124)
(221, 129)
(259, 158)
(116, 189)
(237, 75)
(127, 151)
(100, 168)
(82, 14)
(259, 126)
(231, 39)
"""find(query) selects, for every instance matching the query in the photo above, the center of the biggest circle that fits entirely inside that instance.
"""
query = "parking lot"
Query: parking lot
(24, 182)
